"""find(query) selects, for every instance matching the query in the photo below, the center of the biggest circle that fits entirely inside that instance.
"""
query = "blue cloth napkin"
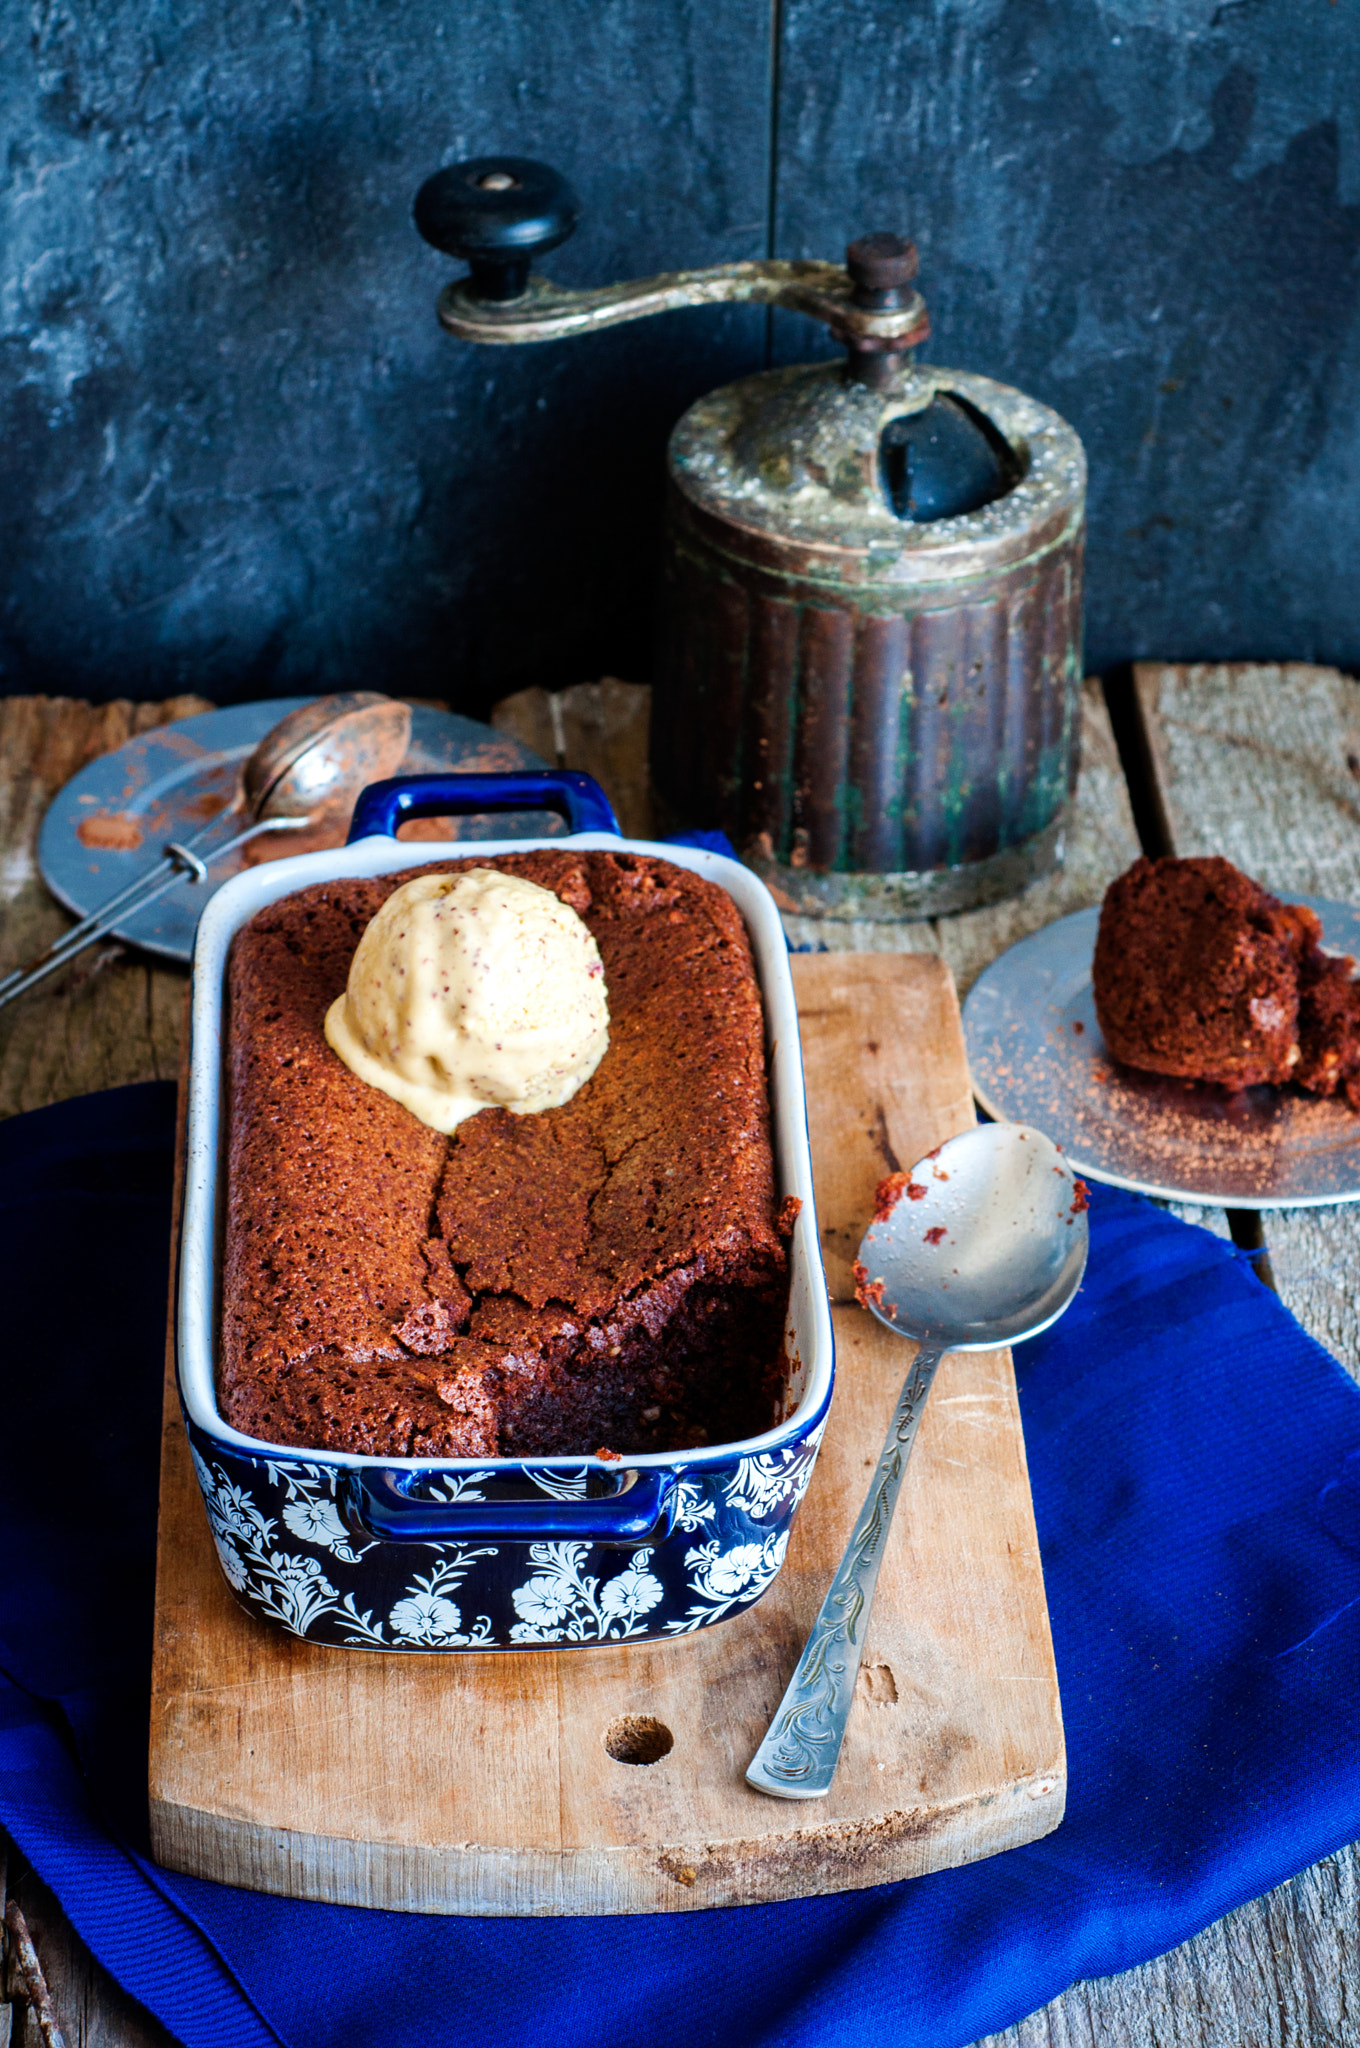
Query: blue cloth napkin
(1196, 1469)
(707, 842)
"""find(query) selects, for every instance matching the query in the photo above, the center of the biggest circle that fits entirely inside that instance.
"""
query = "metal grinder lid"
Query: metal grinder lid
(942, 474)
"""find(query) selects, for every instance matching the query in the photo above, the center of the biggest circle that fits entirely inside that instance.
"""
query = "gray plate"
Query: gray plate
(167, 783)
(1037, 1057)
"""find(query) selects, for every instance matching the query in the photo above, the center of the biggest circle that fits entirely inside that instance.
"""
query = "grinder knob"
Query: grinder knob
(497, 213)
(882, 268)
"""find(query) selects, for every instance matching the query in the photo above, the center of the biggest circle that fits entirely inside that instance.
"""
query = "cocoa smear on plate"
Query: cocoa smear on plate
(110, 832)
(1250, 1126)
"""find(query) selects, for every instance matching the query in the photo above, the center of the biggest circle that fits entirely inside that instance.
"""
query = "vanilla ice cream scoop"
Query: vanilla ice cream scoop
(473, 990)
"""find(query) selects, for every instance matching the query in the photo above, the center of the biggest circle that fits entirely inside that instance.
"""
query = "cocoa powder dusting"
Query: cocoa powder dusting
(110, 832)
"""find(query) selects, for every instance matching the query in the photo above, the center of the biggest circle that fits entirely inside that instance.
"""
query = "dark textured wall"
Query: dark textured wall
(1146, 212)
(240, 457)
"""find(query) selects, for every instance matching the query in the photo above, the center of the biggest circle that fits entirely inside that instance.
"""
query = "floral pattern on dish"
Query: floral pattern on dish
(292, 1558)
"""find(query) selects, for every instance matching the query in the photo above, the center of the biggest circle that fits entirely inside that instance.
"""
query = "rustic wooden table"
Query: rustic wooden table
(1259, 763)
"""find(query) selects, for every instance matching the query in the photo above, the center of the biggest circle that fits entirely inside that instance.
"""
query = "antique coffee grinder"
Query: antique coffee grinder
(870, 659)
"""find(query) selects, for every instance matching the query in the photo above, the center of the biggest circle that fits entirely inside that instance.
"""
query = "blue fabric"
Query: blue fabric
(1196, 1468)
(707, 842)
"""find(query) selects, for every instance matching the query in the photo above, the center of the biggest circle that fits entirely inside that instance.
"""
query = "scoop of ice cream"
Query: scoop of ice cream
(468, 991)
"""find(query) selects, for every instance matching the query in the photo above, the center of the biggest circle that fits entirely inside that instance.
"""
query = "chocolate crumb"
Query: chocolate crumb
(867, 1291)
(934, 1235)
(890, 1191)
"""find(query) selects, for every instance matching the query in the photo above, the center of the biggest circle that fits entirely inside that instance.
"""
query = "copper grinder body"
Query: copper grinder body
(881, 712)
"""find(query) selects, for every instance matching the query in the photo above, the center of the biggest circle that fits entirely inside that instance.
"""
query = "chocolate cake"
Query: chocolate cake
(1202, 974)
(1329, 1026)
(607, 1274)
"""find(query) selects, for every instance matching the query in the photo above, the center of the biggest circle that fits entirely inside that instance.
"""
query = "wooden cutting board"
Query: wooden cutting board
(483, 1784)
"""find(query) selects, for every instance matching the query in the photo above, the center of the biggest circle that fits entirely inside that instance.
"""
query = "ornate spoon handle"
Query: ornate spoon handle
(797, 1759)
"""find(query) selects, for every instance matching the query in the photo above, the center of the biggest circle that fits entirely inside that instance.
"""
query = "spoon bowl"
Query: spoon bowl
(983, 1243)
(317, 759)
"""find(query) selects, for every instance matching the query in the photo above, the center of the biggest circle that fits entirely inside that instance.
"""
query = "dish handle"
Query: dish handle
(376, 1503)
(577, 798)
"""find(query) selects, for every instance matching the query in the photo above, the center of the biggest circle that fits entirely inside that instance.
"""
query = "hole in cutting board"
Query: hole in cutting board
(877, 1683)
(638, 1739)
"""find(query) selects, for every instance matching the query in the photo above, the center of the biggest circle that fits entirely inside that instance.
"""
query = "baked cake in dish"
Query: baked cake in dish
(608, 1274)
(1202, 974)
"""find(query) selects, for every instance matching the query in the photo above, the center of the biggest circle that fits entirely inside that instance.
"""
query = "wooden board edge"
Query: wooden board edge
(497, 1883)
(1036, 1554)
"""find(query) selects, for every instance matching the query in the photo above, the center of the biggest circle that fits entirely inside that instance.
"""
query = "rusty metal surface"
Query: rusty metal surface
(911, 894)
(30, 1984)
(872, 761)
(792, 456)
(550, 312)
(881, 714)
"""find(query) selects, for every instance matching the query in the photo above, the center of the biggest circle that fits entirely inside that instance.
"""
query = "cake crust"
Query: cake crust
(606, 1274)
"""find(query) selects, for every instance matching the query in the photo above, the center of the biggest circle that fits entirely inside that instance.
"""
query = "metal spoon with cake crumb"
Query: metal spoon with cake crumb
(983, 1243)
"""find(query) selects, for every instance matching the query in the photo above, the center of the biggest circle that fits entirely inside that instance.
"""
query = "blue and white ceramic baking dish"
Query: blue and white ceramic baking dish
(501, 1553)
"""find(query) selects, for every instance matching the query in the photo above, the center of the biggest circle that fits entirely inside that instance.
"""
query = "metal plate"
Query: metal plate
(166, 784)
(1037, 1057)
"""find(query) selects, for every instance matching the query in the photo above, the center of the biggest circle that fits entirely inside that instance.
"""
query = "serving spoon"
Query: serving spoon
(983, 1243)
(306, 771)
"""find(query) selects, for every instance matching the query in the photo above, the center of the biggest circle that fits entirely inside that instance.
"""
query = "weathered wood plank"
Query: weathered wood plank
(113, 1016)
(1254, 762)
(92, 2010)
(1315, 1258)
(1262, 764)
(1214, 1991)
(599, 728)
(1281, 1972)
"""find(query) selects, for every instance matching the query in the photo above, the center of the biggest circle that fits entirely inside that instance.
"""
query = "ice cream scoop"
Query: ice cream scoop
(471, 991)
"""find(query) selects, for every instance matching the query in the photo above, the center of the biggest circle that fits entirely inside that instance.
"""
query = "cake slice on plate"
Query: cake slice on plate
(1202, 974)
